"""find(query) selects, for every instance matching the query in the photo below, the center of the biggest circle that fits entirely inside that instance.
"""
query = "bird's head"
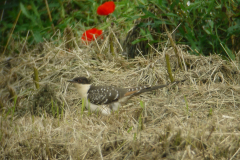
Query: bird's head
(80, 80)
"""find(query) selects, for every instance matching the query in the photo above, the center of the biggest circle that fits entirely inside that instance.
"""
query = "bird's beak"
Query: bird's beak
(71, 80)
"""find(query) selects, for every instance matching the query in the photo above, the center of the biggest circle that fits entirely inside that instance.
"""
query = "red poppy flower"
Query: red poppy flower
(106, 8)
(89, 34)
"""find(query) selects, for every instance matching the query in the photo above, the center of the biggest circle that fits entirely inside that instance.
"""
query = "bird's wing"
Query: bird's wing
(110, 94)
(105, 94)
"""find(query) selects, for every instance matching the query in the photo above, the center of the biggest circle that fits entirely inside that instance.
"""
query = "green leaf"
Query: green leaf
(228, 51)
(170, 15)
(37, 20)
(142, 104)
(37, 36)
(234, 29)
(139, 40)
(34, 8)
(129, 130)
(24, 11)
(142, 32)
(207, 30)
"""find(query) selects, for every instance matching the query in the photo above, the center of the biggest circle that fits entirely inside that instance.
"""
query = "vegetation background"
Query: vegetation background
(208, 27)
(41, 48)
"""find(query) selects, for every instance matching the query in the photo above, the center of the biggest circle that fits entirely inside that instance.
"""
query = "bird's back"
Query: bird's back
(111, 94)
(105, 94)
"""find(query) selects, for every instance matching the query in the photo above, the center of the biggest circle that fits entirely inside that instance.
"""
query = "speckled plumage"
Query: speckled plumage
(107, 98)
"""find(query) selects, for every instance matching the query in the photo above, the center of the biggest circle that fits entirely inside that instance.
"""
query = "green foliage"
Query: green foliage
(14, 107)
(130, 129)
(83, 106)
(34, 18)
(205, 25)
(210, 112)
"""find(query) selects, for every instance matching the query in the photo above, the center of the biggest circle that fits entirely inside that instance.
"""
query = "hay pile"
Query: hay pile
(198, 119)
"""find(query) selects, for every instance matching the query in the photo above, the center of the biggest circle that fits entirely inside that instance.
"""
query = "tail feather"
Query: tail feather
(156, 87)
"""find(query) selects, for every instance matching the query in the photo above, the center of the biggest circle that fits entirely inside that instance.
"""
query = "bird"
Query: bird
(108, 98)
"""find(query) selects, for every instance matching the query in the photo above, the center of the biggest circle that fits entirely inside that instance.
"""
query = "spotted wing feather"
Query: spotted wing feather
(109, 94)
(105, 94)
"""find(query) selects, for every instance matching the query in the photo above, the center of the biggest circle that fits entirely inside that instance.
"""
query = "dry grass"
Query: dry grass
(198, 119)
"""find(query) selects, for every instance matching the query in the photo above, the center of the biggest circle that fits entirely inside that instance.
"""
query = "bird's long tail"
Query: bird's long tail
(156, 87)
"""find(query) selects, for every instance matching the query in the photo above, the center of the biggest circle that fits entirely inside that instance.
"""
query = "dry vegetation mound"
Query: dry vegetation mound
(198, 119)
